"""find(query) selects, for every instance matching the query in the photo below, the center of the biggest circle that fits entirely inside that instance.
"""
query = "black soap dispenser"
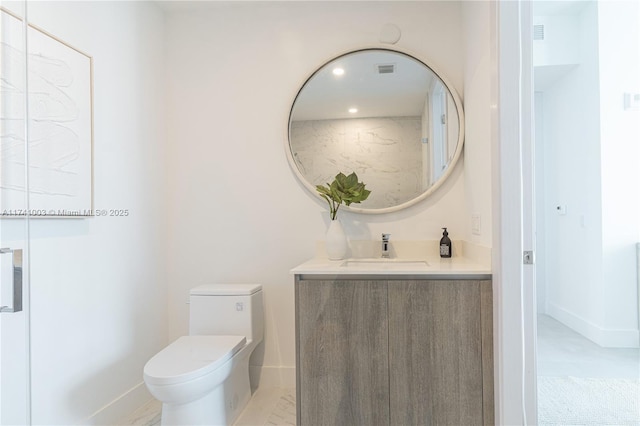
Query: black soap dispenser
(445, 244)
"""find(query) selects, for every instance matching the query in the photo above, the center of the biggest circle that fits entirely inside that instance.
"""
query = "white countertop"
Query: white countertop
(409, 260)
(434, 267)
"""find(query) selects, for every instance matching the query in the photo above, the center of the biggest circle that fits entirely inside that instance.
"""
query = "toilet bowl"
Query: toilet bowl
(203, 379)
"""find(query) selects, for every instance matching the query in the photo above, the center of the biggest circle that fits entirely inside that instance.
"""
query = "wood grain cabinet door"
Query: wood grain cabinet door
(435, 353)
(342, 353)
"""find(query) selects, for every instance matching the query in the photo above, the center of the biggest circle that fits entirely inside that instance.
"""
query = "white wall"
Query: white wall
(619, 47)
(237, 213)
(540, 205)
(590, 169)
(571, 175)
(478, 68)
(98, 285)
(561, 36)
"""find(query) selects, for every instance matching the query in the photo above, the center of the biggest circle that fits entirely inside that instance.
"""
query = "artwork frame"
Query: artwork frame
(60, 126)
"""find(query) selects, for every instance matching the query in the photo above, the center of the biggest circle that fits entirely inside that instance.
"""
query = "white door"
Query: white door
(14, 295)
(514, 219)
(529, 305)
(439, 137)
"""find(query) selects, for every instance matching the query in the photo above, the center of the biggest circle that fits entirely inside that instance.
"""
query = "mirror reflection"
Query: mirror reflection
(382, 114)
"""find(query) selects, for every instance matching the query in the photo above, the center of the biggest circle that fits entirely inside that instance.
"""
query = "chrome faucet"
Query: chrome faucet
(385, 245)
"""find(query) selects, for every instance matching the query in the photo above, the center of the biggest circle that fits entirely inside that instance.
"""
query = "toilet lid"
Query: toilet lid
(190, 357)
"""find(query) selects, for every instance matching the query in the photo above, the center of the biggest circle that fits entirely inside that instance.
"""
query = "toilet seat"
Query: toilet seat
(191, 357)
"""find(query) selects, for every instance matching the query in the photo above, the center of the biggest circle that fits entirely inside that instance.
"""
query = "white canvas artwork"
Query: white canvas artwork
(59, 89)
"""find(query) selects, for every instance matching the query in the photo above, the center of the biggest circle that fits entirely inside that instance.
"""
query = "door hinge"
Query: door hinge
(528, 257)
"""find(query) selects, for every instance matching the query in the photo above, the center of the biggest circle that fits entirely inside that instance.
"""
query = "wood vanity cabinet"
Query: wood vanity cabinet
(394, 352)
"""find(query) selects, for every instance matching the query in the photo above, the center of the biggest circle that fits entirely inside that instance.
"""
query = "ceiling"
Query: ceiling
(374, 94)
(558, 7)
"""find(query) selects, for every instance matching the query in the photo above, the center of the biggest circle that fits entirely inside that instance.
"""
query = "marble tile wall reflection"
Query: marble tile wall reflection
(386, 153)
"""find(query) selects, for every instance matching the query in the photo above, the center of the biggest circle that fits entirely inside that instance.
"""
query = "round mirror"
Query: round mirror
(382, 114)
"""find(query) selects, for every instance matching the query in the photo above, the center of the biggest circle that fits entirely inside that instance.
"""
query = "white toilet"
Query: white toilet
(203, 378)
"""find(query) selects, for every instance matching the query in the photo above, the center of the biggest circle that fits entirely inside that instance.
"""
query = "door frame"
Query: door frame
(15, 235)
(513, 219)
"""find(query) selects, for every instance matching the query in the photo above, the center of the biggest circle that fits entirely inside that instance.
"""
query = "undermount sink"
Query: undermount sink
(385, 263)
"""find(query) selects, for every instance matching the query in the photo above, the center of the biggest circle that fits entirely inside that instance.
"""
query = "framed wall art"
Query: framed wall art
(56, 169)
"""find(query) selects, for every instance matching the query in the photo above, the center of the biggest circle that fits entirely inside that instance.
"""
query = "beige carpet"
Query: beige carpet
(582, 401)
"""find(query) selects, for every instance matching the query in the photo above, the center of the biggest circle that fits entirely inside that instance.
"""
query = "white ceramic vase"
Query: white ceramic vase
(336, 241)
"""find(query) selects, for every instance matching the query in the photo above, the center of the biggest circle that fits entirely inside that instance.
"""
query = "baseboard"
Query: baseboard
(272, 376)
(120, 407)
(137, 396)
(605, 337)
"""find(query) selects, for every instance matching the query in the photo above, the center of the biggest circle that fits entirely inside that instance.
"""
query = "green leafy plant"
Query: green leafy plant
(343, 189)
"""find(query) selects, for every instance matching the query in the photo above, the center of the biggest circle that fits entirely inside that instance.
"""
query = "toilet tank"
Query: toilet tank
(227, 309)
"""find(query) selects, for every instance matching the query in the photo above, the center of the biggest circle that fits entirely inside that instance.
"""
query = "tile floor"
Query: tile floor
(267, 407)
(580, 382)
(270, 407)
(147, 415)
(563, 352)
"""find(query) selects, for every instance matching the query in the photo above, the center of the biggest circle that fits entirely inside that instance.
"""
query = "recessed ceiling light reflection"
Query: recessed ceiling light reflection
(353, 110)
(338, 71)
